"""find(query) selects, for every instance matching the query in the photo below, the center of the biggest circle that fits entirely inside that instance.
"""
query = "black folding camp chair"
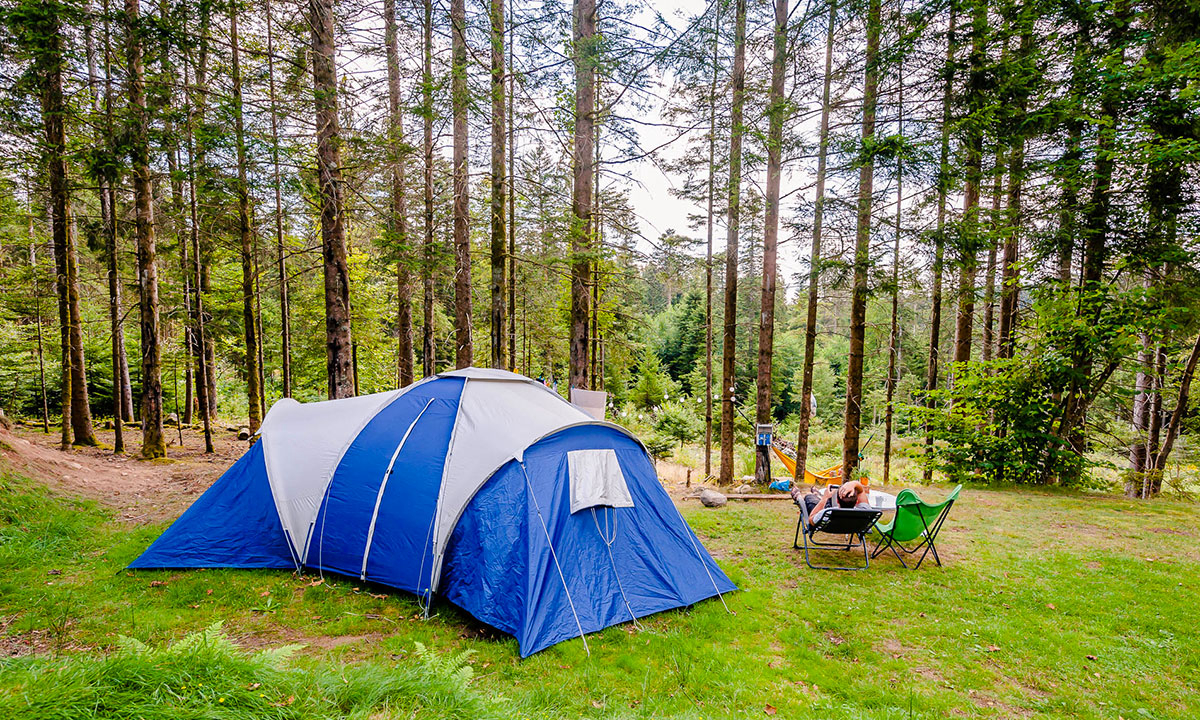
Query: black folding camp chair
(854, 523)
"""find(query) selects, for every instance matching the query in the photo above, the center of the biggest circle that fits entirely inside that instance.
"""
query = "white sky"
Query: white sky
(660, 209)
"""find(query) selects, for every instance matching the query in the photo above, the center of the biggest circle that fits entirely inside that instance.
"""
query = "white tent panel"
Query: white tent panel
(500, 414)
(302, 449)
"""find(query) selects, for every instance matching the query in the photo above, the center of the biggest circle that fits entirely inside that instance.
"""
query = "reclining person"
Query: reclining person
(852, 494)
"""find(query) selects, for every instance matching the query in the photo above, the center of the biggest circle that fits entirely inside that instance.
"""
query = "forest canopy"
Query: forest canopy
(968, 228)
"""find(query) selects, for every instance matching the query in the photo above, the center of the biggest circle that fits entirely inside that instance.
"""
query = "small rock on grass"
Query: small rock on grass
(712, 499)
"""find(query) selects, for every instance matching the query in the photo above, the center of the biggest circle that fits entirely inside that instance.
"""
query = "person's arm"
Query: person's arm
(856, 485)
(825, 498)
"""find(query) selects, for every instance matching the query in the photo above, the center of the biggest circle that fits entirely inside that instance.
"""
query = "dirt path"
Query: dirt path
(140, 491)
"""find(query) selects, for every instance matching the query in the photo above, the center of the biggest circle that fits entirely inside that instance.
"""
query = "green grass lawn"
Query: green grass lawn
(1050, 605)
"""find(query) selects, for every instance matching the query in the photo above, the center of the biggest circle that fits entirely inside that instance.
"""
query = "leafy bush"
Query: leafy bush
(993, 424)
(659, 447)
(677, 420)
(653, 387)
(204, 675)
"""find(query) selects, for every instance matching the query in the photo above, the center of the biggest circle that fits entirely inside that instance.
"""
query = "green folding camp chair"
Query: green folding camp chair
(915, 521)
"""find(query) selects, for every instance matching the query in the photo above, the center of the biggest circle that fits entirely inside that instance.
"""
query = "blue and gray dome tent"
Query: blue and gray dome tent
(480, 485)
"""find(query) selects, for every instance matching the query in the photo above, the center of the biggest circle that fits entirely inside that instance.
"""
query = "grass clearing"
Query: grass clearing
(1051, 604)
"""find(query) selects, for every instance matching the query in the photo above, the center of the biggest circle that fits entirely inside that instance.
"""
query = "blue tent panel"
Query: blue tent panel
(398, 557)
(521, 562)
(487, 558)
(233, 524)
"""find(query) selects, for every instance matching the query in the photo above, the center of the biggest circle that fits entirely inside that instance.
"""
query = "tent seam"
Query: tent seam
(394, 396)
(383, 487)
(435, 570)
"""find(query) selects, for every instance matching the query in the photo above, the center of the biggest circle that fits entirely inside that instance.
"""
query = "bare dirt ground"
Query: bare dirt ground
(140, 491)
(150, 491)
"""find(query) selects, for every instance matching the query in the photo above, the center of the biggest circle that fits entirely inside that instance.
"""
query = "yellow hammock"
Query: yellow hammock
(825, 477)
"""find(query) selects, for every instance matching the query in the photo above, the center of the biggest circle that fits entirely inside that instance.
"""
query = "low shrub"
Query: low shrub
(205, 675)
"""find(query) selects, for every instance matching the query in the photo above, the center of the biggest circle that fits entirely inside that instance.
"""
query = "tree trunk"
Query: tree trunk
(708, 251)
(729, 332)
(37, 308)
(249, 320)
(1072, 158)
(971, 223)
(202, 179)
(894, 334)
(597, 245)
(126, 381)
(858, 302)
(1181, 407)
(1167, 200)
(285, 320)
(1010, 270)
(776, 109)
(203, 395)
(258, 328)
(399, 211)
(1141, 418)
(939, 242)
(108, 214)
(339, 363)
(185, 264)
(185, 418)
(173, 215)
(107, 196)
(513, 216)
(1156, 417)
(989, 276)
(50, 62)
(814, 261)
(153, 443)
(1095, 229)
(584, 57)
(499, 286)
(427, 350)
(965, 318)
(464, 352)
(64, 314)
(81, 412)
